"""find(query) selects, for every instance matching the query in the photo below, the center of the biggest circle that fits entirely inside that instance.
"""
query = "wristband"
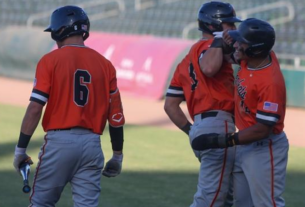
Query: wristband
(217, 43)
(19, 150)
(24, 140)
(186, 128)
(218, 34)
(117, 157)
(232, 139)
(117, 137)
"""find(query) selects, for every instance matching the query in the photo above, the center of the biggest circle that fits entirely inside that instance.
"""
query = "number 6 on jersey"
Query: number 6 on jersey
(81, 91)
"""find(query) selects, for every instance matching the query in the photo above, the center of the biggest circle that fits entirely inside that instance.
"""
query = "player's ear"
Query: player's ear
(211, 27)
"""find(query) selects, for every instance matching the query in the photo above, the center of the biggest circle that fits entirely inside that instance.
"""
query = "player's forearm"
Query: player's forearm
(245, 136)
(29, 124)
(31, 119)
(178, 117)
(254, 133)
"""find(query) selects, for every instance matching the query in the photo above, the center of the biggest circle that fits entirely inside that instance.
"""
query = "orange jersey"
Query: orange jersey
(260, 96)
(77, 83)
(202, 93)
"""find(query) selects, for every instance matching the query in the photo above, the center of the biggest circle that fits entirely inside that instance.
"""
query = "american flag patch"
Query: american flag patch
(269, 106)
(84, 27)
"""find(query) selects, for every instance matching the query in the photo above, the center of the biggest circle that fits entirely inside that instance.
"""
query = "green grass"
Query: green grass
(159, 168)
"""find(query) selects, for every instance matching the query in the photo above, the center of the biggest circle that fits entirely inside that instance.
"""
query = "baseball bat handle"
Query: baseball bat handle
(25, 171)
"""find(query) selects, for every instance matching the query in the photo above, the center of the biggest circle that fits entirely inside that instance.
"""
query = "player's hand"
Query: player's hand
(227, 38)
(113, 166)
(21, 156)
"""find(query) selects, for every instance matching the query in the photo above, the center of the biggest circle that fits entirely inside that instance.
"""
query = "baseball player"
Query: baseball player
(260, 104)
(210, 103)
(80, 88)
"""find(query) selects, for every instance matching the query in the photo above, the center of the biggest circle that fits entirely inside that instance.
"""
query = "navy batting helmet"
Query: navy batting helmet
(258, 34)
(214, 13)
(68, 21)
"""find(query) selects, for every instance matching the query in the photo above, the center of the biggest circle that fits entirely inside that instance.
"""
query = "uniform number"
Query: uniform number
(194, 81)
(81, 91)
(244, 107)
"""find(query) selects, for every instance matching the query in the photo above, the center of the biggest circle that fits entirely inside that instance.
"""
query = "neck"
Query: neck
(207, 36)
(73, 40)
(258, 62)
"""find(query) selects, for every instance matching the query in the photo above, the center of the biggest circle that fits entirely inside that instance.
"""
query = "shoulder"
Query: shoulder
(49, 56)
(94, 52)
(202, 44)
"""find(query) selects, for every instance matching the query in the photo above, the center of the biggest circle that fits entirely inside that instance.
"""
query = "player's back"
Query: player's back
(204, 93)
(81, 82)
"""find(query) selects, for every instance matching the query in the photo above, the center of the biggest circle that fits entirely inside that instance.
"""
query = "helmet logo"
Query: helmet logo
(84, 27)
(75, 27)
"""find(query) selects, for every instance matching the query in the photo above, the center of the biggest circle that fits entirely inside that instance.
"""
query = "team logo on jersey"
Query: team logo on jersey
(269, 106)
(117, 117)
(241, 90)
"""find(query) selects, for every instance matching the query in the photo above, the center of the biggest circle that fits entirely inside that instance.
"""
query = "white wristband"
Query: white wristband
(117, 157)
(217, 34)
(19, 150)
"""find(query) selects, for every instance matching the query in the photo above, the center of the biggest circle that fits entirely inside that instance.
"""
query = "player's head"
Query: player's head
(213, 14)
(254, 37)
(68, 21)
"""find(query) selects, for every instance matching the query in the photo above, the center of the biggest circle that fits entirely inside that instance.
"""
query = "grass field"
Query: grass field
(159, 168)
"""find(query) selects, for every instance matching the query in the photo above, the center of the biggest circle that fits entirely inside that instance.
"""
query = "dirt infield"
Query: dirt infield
(146, 112)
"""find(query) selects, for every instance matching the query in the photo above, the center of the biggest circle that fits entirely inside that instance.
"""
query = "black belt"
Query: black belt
(66, 129)
(209, 114)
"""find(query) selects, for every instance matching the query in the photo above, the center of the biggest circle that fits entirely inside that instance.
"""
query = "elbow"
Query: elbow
(208, 71)
(209, 68)
(170, 106)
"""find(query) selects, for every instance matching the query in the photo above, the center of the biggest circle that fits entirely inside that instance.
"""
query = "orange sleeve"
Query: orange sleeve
(175, 88)
(270, 104)
(42, 83)
(115, 116)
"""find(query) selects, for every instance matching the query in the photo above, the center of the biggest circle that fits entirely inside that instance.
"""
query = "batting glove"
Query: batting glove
(218, 41)
(21, 156)
(113, 166)
(214, 141)
(217, 34)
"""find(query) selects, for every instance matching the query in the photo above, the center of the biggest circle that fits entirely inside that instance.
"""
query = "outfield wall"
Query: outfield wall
(144, 64)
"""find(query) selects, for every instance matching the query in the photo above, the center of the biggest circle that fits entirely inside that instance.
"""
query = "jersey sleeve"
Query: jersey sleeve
(175, 88)
(42, 83)
(270, 106)
(115, 115)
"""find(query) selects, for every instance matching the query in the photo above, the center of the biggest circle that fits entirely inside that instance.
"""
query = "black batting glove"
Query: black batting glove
(214, 141)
